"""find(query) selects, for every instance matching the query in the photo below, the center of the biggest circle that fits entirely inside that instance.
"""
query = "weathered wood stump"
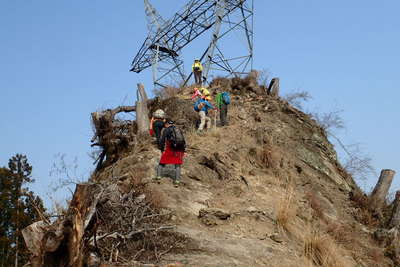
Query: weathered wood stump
(395, 218)
(273, 88)
(62, 244)
(380, 192)
(142, 112)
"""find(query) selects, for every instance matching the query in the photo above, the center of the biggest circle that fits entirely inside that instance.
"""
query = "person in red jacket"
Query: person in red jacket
(171, 155)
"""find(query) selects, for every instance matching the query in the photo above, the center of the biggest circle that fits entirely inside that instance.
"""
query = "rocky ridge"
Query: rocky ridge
(267, 190)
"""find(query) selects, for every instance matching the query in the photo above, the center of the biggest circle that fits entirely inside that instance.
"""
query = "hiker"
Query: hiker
(223, 99)
(157, 124)
(172, 145)
(197, 69)
(196, 94)
(205, 94)
(202, 106)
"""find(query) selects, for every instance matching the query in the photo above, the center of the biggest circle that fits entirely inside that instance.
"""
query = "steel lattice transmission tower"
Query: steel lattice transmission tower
(231, 23)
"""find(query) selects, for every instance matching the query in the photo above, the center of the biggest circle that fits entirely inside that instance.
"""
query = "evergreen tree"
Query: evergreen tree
(19, 208)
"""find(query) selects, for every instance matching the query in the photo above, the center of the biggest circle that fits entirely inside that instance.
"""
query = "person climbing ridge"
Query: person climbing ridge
(197, 69)
(196, 94)
(157, 124)
(172, 145)
(202, 106)
(205, 93)
(223, 99)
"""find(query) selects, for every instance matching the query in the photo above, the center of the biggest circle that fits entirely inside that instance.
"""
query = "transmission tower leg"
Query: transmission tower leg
(181, 71)
(155, 66)
(249, 31)
(217, 27)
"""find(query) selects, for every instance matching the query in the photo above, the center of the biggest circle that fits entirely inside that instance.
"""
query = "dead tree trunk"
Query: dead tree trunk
(79, 208)
(378, 196)
(110, 134)
(273, 88)
(395, 218)
(62, 244)
(142, 112)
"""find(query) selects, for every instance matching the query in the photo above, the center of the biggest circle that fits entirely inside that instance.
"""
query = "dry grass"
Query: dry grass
(192, 137)
(270, 157)
(315, 204)
(286, 210)
(323, 251)
(376, 255)
(364, 214)
(221, 82)
(215, 132)
(167, 92)
(234, 112)
(266, 156)
(343, 234)
(155, 198)
(136, 176)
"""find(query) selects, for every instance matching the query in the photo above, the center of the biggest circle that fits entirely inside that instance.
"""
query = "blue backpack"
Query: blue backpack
(196, 105)
(226, 98)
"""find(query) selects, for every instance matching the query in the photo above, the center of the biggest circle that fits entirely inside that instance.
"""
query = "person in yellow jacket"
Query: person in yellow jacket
(205, 94)
(197, 69)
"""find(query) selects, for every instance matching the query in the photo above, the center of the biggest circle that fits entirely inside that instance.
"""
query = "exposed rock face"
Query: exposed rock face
(267, 190)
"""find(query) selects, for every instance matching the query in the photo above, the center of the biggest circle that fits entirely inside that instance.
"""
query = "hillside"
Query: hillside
(267, 190)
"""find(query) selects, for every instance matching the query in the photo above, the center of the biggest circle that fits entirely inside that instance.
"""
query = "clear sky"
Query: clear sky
(62, 60)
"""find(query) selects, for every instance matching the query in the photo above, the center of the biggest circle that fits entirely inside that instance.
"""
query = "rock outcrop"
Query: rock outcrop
(267, 190)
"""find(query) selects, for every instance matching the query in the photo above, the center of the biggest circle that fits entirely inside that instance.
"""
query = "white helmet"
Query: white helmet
(159, 114)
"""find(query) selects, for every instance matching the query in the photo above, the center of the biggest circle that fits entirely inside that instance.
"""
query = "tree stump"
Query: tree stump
(395, 218)
(142, 112)
(62, 244)
(273, 88)
(378, 196)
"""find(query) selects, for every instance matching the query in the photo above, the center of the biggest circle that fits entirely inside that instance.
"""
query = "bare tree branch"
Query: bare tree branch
(296, 98)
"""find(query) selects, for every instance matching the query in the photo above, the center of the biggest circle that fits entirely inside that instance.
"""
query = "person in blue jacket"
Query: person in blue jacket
(202, 106)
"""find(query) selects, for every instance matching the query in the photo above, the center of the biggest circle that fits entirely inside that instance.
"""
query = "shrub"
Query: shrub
(330, 121)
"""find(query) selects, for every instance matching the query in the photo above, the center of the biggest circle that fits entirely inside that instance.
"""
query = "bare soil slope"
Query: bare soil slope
(271, 163)
(267, 190)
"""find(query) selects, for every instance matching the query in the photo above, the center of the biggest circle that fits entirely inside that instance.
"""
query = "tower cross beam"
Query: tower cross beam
(167, 38)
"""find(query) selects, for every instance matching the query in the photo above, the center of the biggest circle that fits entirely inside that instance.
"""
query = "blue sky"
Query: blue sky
(62, 60)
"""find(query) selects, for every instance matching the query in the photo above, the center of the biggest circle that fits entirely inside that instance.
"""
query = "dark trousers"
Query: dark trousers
(223, 114)
(198, 77)
(158, 125)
